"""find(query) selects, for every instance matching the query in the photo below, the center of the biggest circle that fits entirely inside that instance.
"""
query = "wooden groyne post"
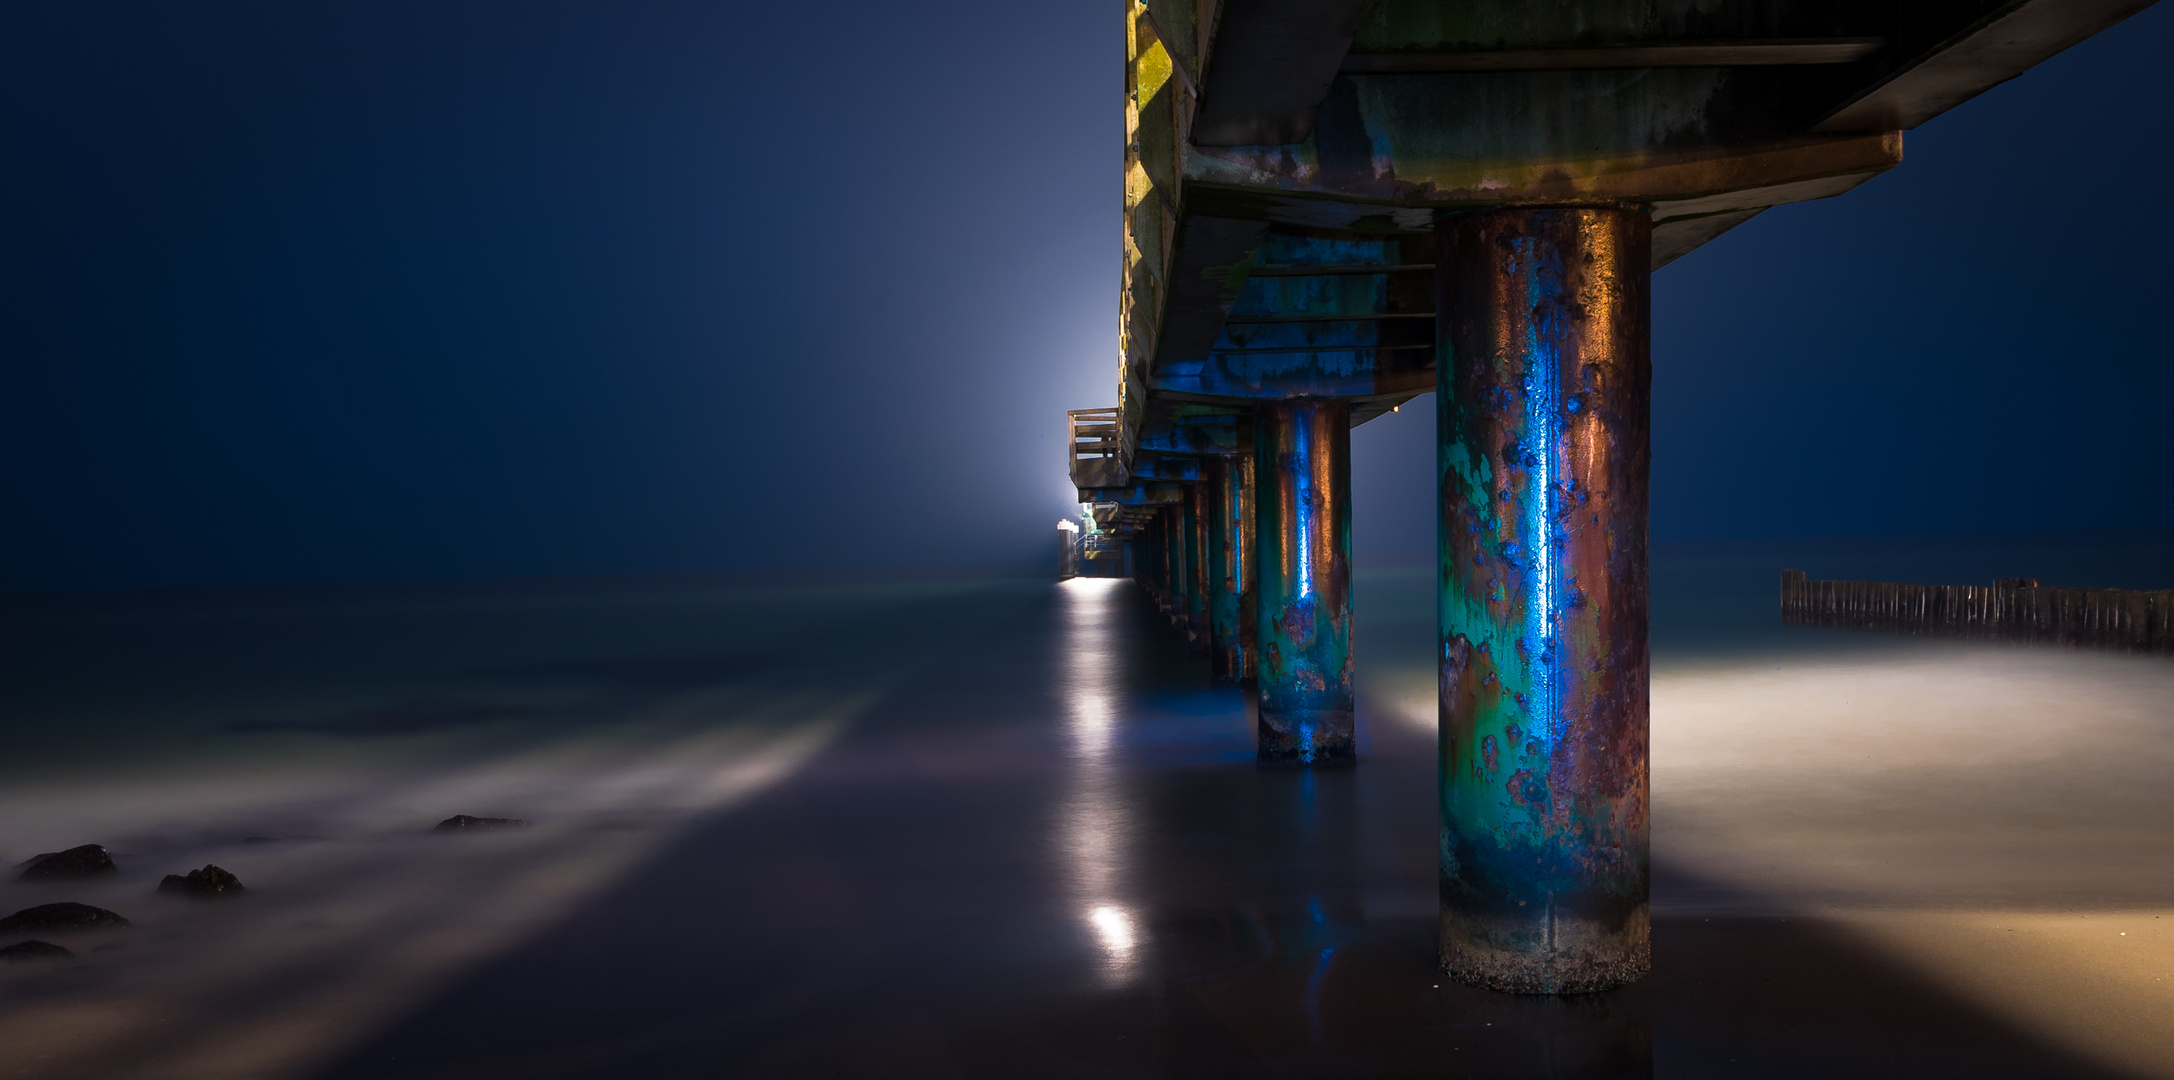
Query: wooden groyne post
(2012, 608)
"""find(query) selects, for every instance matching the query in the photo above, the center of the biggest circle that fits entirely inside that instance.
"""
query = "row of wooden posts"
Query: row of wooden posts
(2017, 608)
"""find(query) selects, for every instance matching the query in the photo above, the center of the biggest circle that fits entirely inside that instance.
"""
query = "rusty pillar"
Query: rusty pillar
(1164, 531)
(1214, 479)
(1232, 610)
(1180, 559)
(1302, 448)
(1143, 562)
(1181, 567)
(1542, 406)
(1199, 567)
(1157, 564)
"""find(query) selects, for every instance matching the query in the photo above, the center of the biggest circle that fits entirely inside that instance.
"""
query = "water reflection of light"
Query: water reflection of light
(1095, 816)
(1089, 605)
(1113, 926)
(1091, 724)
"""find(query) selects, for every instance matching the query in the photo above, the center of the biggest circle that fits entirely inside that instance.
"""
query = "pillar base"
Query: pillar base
(1545, 953)
(1311, 737)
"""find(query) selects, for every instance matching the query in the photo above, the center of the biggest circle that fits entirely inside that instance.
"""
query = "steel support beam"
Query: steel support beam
(1303, 462)
(1236, 599)
(1542, 464)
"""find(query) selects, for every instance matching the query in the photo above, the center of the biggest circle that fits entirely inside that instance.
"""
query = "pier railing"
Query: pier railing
(2015, 608)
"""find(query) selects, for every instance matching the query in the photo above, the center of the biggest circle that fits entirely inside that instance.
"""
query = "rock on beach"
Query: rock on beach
(203, 884)
(87, 860)
(463, 822)
(24, 952)
(59, 918)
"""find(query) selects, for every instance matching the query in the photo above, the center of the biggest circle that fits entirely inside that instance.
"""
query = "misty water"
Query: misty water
(1994, 819)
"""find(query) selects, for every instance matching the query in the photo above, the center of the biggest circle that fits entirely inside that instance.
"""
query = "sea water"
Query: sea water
(1041, 754)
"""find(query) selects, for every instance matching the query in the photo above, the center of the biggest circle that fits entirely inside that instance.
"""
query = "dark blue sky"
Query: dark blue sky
(459, 289)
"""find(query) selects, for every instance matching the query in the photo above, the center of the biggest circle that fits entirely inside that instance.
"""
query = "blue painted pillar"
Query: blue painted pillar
(1542, 399)
(1302, 451)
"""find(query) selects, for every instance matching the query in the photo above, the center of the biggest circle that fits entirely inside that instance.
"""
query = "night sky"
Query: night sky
(448, 289)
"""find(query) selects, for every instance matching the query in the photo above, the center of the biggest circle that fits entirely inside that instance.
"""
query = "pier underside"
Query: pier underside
(1334, 206)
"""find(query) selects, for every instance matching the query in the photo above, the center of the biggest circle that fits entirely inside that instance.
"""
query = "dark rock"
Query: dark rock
(89, 860)
(23, 952)
(202, 884)
(462, 822)
(58, 918)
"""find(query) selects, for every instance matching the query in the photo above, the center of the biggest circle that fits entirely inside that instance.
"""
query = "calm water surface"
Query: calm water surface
(996, 826)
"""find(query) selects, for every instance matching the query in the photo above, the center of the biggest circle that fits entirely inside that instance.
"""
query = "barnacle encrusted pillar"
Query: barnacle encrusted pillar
(1542, 318)
(1302, 449)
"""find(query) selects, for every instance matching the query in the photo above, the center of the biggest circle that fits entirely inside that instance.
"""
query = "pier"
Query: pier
(1334, 207)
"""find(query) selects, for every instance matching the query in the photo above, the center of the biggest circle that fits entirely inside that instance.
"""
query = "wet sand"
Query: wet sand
(1001, 827)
